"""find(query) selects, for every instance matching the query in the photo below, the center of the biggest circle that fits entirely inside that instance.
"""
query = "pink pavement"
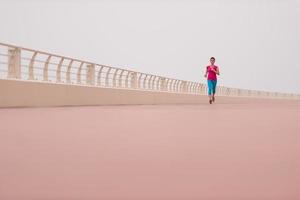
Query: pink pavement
(233, 150)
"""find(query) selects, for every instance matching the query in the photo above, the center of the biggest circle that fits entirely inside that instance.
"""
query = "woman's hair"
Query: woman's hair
(212, 58)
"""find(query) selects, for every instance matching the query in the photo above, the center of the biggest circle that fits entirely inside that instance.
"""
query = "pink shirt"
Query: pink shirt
(211, 74)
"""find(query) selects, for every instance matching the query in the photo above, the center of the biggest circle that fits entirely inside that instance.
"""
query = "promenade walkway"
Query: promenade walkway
(238, 149)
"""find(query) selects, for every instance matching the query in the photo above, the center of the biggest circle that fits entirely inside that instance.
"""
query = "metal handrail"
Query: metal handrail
(99, 75)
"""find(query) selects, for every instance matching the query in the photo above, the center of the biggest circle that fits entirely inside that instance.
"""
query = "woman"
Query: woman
(211, 74)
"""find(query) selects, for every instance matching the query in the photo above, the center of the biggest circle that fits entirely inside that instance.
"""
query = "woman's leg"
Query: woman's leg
(214, 90)
(210, 89)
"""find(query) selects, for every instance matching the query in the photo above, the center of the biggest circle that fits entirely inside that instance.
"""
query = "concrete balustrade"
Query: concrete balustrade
(23, 64)
(14, 66)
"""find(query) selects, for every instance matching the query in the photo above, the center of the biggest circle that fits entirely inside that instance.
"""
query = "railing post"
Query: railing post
(99, 76)
(69, 72)
(144, 82)
(184, 87)
(193, 88)
(31, 67)
(162, 83)
(115, 78)
(149, 82)
(45, 71)
(133, 80)
(121, 78)
(176, 85)
(58, 70)
(90, 75)
(167, 84)
(79, 73)
(14, 63)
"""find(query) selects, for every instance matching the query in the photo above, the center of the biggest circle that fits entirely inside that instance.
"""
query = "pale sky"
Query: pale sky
(255, 42)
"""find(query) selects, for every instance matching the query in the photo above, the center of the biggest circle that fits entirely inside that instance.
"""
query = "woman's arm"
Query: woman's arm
(206, 73)
(216, 71)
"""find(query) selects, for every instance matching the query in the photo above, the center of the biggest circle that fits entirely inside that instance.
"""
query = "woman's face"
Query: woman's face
(212, 61)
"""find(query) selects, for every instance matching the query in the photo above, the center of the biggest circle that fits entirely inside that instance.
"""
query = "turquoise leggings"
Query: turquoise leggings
(211, 86)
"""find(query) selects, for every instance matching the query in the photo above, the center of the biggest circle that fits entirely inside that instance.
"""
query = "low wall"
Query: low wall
(18, 93)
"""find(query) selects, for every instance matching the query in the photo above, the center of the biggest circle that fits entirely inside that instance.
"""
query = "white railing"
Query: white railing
(28, 64)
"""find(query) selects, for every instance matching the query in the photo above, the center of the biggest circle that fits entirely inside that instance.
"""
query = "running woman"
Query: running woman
(211, 74)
